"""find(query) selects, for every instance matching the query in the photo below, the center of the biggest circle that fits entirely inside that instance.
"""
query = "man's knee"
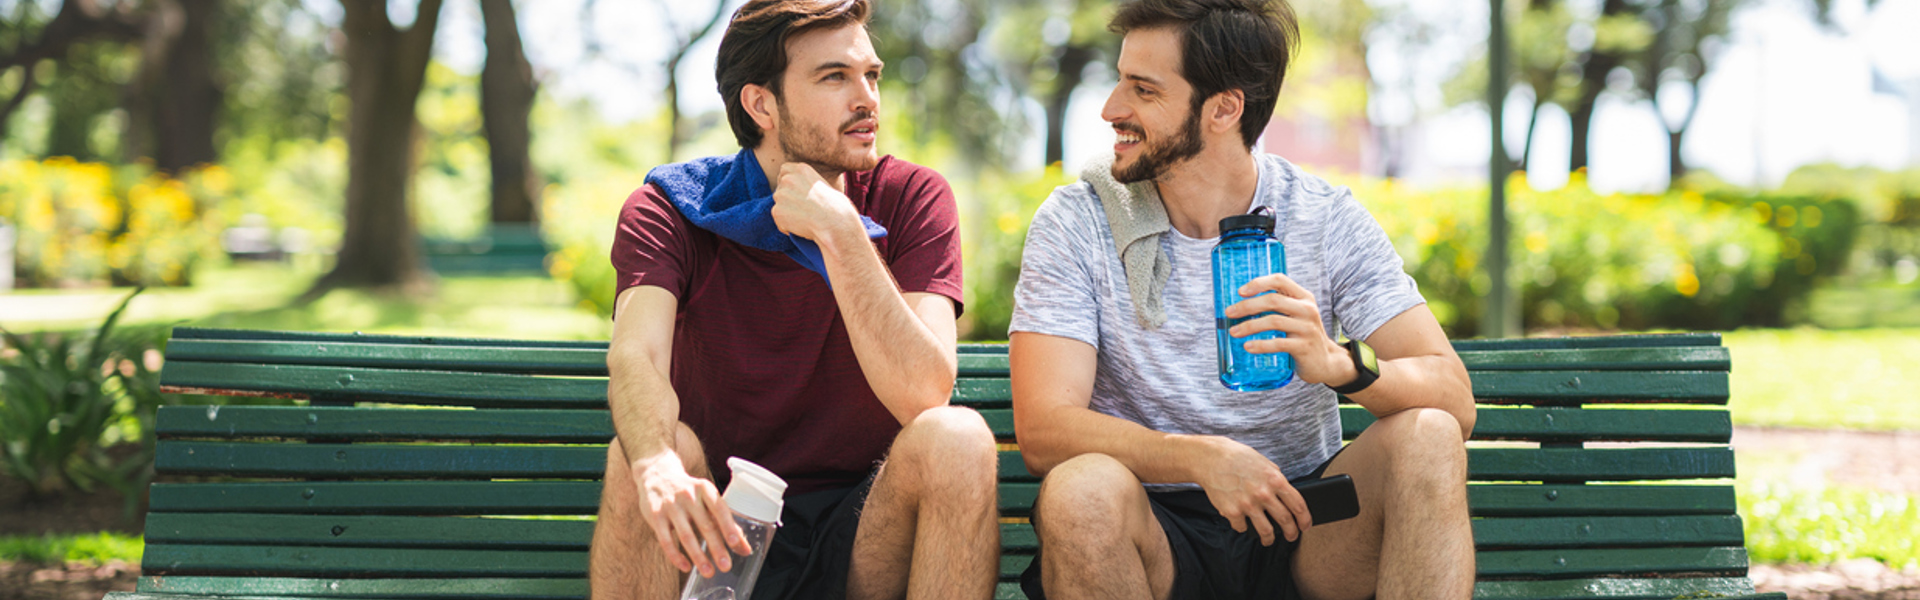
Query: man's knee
(1426, 443)
(951, 440)
(1088, 496)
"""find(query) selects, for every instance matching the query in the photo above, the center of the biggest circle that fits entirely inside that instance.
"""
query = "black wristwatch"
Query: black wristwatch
(1365, 364)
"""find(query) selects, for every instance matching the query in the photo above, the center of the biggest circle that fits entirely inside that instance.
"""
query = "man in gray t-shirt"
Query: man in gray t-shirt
(1160, 481)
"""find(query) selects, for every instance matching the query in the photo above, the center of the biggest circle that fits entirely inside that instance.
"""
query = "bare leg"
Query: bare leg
(625, 561)
(929, 528)
(1098, 536)
(1410, 470)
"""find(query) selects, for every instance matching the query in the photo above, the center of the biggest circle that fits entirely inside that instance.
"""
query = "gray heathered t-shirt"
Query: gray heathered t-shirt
(1072, 285)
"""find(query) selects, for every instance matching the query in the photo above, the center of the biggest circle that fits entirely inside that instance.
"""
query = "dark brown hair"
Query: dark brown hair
(754, 49)
(1225, 45)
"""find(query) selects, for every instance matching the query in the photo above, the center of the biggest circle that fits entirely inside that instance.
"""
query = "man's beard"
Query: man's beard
(820, 149)
(1156, 158)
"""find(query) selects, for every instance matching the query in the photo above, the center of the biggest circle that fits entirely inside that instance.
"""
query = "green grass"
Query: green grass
(1856, 379)
(93, 547)
(1789, 523)
(257, 296)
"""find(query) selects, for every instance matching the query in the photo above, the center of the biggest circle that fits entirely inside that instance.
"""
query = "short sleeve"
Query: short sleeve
(650, 245)
(1056, 294)
(923, 244)
(1367, 277)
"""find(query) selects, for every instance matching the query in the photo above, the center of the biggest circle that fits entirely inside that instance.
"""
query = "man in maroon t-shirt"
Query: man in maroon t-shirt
(721, 348)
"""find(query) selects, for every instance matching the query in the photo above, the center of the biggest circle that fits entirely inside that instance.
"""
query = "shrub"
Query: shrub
(91, 223)
(69, 396)
(1616, 261)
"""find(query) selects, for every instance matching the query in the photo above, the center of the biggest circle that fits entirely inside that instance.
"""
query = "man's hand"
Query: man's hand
(686, 511)
(805, 205)
(1247, 488)
(1291, 309)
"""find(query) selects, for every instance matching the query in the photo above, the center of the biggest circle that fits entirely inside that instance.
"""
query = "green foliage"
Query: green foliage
(1613, 261)
(92, 222)
(96, 548)
(1811, 378)
(68, 397)
(993, 235)
(1789, 522)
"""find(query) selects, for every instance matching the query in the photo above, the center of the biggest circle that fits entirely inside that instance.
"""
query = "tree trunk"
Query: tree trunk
(385, 70)
(1676, 166)
(1072, 64)
(1593, 81)
(191, 97)
(173, 103)
(675, 130)
(507, 90)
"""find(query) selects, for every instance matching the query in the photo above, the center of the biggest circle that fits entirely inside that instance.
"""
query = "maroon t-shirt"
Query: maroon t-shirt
(761, 359)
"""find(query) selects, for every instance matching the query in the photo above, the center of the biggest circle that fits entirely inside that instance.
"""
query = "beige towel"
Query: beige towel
(1139, 220)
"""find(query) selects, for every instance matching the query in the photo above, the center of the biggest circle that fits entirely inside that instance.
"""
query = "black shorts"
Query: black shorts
(1210, 559)
(813, 549)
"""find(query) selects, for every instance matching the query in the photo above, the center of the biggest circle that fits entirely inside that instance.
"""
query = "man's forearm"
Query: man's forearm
(910, 368)
(642, 403)
(1427, 381)
(1058, 433)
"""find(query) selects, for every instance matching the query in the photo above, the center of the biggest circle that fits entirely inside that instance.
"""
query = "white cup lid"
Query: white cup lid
(755, 491)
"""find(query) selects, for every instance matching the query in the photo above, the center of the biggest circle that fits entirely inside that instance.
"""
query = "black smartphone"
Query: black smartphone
(1329, 498)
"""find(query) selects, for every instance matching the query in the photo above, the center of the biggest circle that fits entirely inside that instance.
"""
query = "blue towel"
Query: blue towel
(730, 196)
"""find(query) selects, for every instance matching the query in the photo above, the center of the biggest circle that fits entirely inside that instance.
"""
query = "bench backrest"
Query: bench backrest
(439, 467)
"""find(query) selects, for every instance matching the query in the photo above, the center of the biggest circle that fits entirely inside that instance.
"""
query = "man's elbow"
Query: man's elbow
(1467, 412)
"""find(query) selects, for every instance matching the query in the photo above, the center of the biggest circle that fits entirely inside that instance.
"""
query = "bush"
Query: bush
(993, 232)
(1617, 261)
(88, 223)
(69, 396)
(579, 223)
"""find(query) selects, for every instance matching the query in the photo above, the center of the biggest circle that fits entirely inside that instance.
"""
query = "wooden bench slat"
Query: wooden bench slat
(213, 333)
(572, 426)
(1598, 464)
(309, 561)
(381, 497)
(172, 588)
(367, 531)
(1599, 532)
(377, 461)
(493, 390)
(593, 426)
(426, 497)
(433, 357)
(993, 362)
(1570, 425)
(1549, 464)
(1519, 500)
(1654, 340)
(501, 390)
(1502, 387)
(182, 587)
(1726, 560)
(1559, 563)
(1612, 588)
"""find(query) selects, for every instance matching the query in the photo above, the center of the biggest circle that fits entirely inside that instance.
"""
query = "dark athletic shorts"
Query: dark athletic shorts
(1210, 559)
(813, 549)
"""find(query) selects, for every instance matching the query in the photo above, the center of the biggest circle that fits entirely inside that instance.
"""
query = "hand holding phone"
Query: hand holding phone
(1329, 499)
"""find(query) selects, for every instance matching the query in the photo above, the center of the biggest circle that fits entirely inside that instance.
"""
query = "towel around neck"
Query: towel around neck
(730, 196)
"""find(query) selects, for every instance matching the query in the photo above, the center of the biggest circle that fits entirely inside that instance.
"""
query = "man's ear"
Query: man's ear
(1225, 109)
(761, 105)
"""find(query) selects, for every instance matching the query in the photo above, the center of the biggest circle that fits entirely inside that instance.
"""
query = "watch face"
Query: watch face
(1367, 359)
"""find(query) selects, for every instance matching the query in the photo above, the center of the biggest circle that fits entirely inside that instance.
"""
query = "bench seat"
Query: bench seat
(422, 467)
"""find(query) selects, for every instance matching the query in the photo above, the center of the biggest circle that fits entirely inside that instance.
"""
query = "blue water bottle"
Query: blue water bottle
(1247, 250)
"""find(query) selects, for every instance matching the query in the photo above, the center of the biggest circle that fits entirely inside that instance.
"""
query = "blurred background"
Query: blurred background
(454, 168)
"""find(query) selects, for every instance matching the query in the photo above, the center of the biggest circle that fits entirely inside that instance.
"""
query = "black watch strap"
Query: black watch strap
(1365, 366)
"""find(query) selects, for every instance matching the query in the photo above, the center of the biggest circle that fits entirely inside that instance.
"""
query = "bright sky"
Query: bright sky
(1785, 92)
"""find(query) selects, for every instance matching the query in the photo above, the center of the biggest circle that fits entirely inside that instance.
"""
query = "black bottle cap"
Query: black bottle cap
(1258, 220)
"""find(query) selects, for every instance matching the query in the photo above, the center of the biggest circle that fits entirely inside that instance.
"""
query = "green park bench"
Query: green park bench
(439, 467)
(505, 248)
